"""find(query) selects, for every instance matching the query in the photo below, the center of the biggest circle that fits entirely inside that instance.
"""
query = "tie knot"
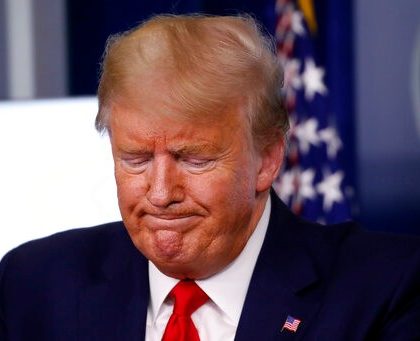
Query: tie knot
(188, 297)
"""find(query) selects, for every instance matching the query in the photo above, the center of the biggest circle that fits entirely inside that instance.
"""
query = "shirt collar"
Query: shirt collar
(227, 288)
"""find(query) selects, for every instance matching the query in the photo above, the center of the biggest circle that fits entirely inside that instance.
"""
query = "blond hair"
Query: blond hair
(210, 62)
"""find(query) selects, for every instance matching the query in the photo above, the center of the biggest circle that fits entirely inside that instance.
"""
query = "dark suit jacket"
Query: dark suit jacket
(341, 282)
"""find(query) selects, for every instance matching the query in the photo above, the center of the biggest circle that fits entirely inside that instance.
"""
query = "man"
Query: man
(205, 251)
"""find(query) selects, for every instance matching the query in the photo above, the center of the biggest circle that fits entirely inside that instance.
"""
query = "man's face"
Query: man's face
(190, 191)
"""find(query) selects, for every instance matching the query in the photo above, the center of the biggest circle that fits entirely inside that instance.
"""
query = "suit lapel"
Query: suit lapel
(284, 282)
(114, 305)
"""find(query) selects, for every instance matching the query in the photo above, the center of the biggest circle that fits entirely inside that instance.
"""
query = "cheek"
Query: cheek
(129, 190)
(241, 181)
(221, 193)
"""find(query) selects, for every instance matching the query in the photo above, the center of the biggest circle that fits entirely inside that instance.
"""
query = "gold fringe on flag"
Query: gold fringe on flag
(308, 11)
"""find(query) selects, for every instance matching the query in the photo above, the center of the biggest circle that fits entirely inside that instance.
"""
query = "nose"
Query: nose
(164, 183)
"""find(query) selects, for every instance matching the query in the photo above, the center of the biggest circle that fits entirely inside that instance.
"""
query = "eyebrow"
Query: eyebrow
(194, 149)
(136, 151)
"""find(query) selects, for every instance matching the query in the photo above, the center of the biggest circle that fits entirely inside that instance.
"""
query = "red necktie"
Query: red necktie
(188, 298)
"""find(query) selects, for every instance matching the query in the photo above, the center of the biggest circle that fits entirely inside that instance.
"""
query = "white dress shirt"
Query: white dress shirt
(218, 318)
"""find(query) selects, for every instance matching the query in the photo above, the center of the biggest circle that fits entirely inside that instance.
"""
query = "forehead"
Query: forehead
(161, 124)
(154, 108)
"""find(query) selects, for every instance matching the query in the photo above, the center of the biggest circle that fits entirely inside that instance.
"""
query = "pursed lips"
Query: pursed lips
(170, 221)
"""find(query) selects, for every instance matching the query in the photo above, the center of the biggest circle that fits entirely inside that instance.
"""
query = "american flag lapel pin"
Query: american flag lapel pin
(291, 324)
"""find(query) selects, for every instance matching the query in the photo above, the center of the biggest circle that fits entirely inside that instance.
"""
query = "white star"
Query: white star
(297, 23)
(330, 189)
(306, 188)
(306, 133)
(286, 188)
(291, 74)
(331, 139)
(312, 79)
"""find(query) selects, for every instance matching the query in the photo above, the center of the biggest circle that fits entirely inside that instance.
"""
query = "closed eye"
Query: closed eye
(198, 164)
(135, 165)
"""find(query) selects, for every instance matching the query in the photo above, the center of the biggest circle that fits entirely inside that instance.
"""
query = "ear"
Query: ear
(271, 161)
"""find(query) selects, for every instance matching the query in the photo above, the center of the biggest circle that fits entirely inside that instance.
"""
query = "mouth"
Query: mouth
(170, 216)
(171, 222)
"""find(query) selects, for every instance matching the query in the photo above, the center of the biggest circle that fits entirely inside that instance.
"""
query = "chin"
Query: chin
(179, 271)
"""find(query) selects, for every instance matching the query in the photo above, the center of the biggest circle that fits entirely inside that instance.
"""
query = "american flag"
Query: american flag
(291, 324)
(312, 182)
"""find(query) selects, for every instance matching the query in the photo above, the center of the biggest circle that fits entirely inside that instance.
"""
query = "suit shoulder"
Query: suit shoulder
(75, 238)
(71, 246)
(352, 239)
(369, 244)
(347, 247)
